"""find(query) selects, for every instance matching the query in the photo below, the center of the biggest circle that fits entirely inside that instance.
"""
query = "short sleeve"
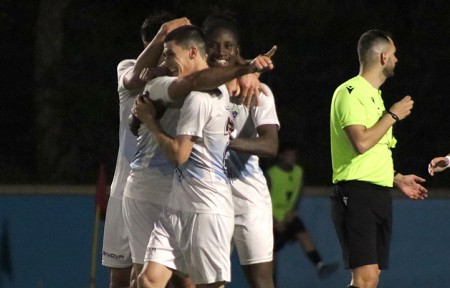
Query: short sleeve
(194, 114)
(265, 112)
(158, 88)
(349, 109)
(123, 68)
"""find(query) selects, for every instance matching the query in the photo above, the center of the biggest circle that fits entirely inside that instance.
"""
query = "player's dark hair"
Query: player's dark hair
(186, 36)
(221, 19)
(370, 39)
(287, 146)
(153, 22)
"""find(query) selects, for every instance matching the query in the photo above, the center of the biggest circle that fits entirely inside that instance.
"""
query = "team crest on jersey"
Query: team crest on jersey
(235, 111)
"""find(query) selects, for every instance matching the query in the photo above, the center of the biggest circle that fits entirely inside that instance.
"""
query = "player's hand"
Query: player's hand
(143, 108)
(438, 164)
(411, 186)
(230, 129)
(250, 88)
(174, 24)
(263, 63)
(133, 124)
(272, 51)
(403, 107)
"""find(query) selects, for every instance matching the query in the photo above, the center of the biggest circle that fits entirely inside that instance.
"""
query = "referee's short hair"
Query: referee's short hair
(369, 41)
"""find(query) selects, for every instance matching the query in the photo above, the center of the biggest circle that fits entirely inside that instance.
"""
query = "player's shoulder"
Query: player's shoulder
(163, 81)
(266, 86)
(195, 98)
(219, 92)
(124, 64)
(266, 100)
(222, 90)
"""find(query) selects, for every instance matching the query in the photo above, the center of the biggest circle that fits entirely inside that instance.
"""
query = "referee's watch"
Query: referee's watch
(393, 116)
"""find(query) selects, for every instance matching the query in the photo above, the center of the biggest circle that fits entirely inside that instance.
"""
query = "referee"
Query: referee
(363, 170)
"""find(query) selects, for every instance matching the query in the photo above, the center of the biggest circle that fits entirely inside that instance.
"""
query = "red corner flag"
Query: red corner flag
(101, 202)
(102, 192)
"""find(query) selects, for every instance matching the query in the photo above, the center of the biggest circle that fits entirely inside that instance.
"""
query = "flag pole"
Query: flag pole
(101, 203)
(94, 248)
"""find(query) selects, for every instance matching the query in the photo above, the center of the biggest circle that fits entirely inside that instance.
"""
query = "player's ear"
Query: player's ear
(238, 50)
(193, 51)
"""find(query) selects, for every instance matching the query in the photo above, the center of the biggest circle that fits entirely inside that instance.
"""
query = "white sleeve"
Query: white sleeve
(123, 68)
(194, 114)
(159, 88)
(265, 112)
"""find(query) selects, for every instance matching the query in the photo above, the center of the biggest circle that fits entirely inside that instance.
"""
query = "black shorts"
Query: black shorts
(362, 216)
(290, 235)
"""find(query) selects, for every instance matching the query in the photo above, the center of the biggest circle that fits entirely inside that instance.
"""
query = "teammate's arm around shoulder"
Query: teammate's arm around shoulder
(151, 55)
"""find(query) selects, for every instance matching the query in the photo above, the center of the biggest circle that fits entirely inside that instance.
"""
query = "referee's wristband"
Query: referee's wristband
(394, 116)
(448, 159)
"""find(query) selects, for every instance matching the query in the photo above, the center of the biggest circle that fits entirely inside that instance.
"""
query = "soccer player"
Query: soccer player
(286, 183)
(116, 250)
(256, 135)
(149, 182)
(439, 164)
(363, 170)
(193, 235)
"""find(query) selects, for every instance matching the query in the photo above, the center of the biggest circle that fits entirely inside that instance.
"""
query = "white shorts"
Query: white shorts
(253, 236)
(140, 217)
(116, 246)
(195, 244)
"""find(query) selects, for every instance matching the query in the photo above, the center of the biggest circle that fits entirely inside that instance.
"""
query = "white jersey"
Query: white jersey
(248, 184)
(151, 172)
(127, 141)
(201, 185)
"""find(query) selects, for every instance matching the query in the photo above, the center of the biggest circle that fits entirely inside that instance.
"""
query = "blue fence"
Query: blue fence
(50, 244)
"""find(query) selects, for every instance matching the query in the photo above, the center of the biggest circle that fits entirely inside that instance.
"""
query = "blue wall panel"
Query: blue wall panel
(51, 242)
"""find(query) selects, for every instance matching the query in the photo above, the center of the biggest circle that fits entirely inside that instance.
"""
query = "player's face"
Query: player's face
(389, 68)
(289, 157)
(222, 48)
(177, 59)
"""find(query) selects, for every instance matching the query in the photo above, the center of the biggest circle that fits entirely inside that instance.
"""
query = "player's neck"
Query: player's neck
(201, 65)
(286, 167)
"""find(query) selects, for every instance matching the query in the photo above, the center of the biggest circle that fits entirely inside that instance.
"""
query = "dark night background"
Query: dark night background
(58, 76)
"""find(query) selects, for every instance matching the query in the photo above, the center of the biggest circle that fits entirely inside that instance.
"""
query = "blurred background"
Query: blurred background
(59, 116)
(60, 107)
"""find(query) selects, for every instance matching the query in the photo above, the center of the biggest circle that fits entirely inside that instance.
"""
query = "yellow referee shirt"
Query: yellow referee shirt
(357, 102)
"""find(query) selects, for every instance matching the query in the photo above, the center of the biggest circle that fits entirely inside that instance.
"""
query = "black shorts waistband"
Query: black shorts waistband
(357, 183)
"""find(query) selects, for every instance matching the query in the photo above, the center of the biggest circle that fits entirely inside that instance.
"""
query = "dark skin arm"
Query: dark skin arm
(212, 78)
(266, 145)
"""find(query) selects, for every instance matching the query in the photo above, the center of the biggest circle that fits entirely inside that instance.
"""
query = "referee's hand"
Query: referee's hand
(411, 186)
